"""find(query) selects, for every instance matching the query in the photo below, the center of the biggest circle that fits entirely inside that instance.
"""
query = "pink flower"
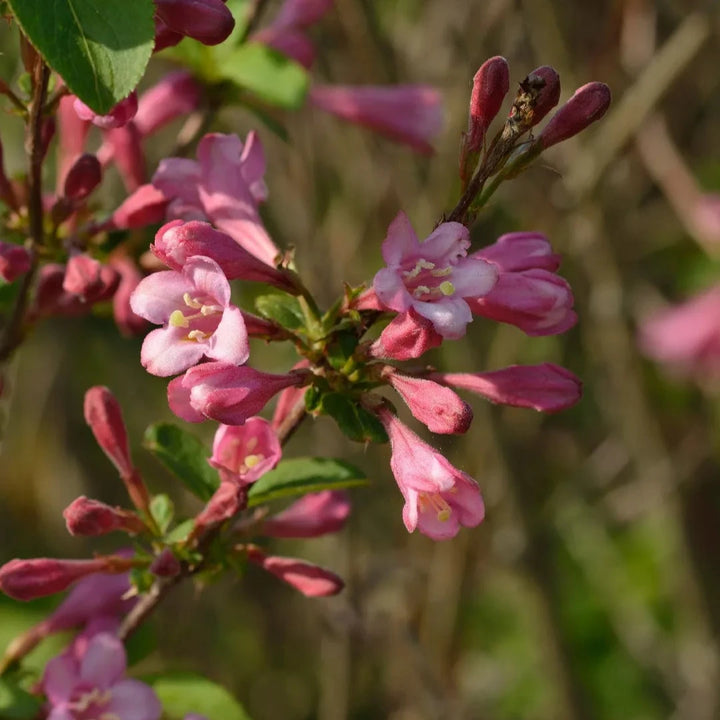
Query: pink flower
(176, 94)
(410, 114)
(433, 277)
(243, 453)
(127, 321)
(311, 580)
(437, 407)
(177, 241)
(226, 393)
(207, 21)
(408, 336)
(90, 683)
(122, 113)
(88, 279)
(38, 577)
(439, 498)
(546, 387)
(686, 337)
(225, 187)
(124, 146)
(313, 515)
(199, 321)
(527, 292)
(14, 261)
(145, 206)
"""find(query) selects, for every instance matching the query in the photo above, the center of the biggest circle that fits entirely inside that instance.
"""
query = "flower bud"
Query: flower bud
(177, 93)
(490, 86)
(83, 177)
(165, 564)
(546, 387)
(544, 83)
(15, 260)
(91, 518)
(82, 276)
(437, 407)
(104, 416)
(226, 501)
(124, 146)
(311, 580)
(127, 321)
(588, 104)
(207, 21)
(122, 113)
(408, 336)
(146, 206)
(38, 577)
(313, 515)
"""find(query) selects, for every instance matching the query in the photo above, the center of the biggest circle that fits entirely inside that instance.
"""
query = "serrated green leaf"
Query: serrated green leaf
(162, 510)
(299, 476)
(285, 310)
(100, 49)
(185, 693)
(267, 73)
(16, 703)
(185, 456)
(353, 420)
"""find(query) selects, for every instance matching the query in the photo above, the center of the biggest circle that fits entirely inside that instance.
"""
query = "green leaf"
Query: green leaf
(185, 693)
(353, 420)
(16, 703)
(341, 349)
(99, 47)
(162, 510)
(267, 73)
(299, 476)
(283, 309)
(185, 456)
(180, 532)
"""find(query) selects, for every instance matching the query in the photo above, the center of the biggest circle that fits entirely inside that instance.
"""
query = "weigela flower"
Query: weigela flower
(90, 682)
(546, 387)
(439, 498)
(410, 114)
(226, 393)
(311, 516)
(527, 293)
(434, 277)
(243, 453)
(408, 336)
(199, 321)
(224, 187)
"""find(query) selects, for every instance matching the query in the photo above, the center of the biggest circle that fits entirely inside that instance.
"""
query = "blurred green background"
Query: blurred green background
(592, 590)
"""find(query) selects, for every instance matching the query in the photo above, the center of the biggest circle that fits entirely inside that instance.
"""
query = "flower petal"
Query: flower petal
(134, 700)
(159, 294)
(167, 351)
(229, 342)
(104, 661)
(400, 241)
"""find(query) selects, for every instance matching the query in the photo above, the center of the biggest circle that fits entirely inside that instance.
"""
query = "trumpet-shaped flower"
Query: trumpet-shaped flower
(439, 498)
(199, 321)
(434, 277)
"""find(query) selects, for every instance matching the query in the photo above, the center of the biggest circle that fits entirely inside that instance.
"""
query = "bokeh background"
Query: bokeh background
(592, 590)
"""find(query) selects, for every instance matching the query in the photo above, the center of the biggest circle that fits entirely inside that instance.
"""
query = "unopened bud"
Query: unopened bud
(103, 415)
(227, 500)
(38, 577)
(313, 515)
(14, 261)
(165, 564)
(83, 177)
(588, 104)
(490, 86)
(85, 516)
(544, 84)
(207, 21)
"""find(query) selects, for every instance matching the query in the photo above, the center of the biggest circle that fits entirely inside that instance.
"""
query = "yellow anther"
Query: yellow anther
(446, 288)
(421, 290)
(437, 503)
(442, 272)
(197, 335)
(420, 265)
(206, 310)
(177, 319)
(252, 460)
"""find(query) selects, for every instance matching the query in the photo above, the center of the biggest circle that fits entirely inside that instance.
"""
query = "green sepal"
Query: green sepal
(162, 510)
(285, 310)
(353, 419)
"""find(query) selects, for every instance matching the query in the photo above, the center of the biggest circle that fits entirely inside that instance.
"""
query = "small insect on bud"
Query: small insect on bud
(588, 104)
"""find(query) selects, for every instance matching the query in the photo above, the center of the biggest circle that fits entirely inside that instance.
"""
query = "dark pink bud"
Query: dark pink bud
(408, 336)
(51, 299)
(122, 113)
(545, 83)
(14, 261)
(490, 86)
(165, 564)
(518, 251)
(38, 577)
(83, 177)
(104, 416)
(82, 276)
(224, 392)
(91, 517)
(177, 241)
(311, 580)
(227, 500)
(588, 104)
(546, 387)
(72, 133)
(437, 407)
(313, 515)
(146, 206)
(164, 36)
(127, 321)
(207, 21)
(178, 93)
(124, 146)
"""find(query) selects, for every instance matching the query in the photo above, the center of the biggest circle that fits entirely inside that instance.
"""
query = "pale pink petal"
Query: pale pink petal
(207, 277)
(179, 401)
(158, 295)
(391, 291)
(166, 352)
(104, 661)
(134, 700)
(400, 240)
(59, 679)
(178, 178)
(447, 243)
(229, 342)
(473, 278)
(449, 316)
